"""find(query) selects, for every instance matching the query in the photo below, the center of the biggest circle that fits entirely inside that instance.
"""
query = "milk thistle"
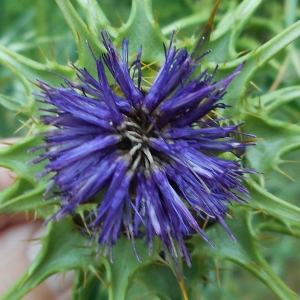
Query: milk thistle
(152, 154)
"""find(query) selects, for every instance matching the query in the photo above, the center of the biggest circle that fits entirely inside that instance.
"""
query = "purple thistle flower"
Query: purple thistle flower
(152, 154)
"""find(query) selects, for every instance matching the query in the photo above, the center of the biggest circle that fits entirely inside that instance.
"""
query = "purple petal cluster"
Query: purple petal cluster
(152, 154)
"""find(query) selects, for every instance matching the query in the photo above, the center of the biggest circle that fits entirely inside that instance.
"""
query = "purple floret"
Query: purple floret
(154, 154)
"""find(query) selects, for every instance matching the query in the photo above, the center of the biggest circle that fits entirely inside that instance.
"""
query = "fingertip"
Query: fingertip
(7, 178)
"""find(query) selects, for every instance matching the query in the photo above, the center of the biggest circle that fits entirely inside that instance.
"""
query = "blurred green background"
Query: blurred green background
(37, 30)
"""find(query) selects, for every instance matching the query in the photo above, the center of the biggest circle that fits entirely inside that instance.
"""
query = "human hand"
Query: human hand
(19, 240)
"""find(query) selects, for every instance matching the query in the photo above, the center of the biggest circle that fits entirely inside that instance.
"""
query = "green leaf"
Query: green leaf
(96, 18)
(20, 197)
(271, 101)
(27, 69)
(88, 285)
(142, 30)
(125, 265)
(11, 103)
(277, 138)
(255, 60)
(25, 194)
(16, 158)
(270, 204)
(244, 251)
(64, 248)
(286, 227)
(81, 33)
(154, 281)
(223, 39)
(205, 33)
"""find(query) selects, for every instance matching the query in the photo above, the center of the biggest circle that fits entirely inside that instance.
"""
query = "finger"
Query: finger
(6, 176)
(19, 240)
(20, 246)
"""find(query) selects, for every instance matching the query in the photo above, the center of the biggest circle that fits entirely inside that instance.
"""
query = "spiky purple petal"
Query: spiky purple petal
(153, 155)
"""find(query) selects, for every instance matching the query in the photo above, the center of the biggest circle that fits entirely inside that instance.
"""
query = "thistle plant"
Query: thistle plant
(139, 151)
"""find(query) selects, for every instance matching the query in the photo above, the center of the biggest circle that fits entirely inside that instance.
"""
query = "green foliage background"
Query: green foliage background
(264, 262)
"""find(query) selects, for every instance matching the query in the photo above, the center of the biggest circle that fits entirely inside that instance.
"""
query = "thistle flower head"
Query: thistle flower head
(152, 154)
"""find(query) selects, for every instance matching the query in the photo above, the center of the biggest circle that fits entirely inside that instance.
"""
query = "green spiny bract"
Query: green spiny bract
(266, 114)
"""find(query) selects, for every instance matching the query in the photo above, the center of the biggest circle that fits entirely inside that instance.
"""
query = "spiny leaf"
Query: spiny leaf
(224, 38)
(270, 204)
(243, 252)
(16, 158)
(81, 34)
(277, 138)
(142, 30)
(271, 101)
(22, 198)
(254, 61)
(64, 248)
(96, 18)
(206, 32)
